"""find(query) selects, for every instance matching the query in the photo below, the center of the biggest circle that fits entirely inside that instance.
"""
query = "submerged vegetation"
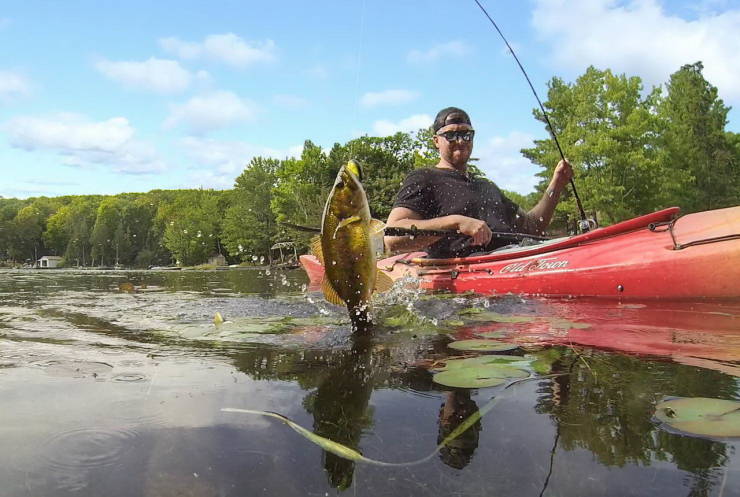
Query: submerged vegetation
(633, 152)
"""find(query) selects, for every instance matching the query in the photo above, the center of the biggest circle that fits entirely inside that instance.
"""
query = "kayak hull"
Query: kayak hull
(654, 256)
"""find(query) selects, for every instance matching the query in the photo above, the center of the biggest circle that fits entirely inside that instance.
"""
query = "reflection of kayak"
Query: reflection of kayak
(703, 334)
(658, 255)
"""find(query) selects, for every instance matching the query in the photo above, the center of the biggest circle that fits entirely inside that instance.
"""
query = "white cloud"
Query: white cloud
(13, 85)
(157, 75)
(221, 161)
(291, 102)
(388, 97)
(85, 143)
(639, 37)
(503, 163)
(227, 48)
(317, 71)
(455, 49)
(413, 123)
(215, 110)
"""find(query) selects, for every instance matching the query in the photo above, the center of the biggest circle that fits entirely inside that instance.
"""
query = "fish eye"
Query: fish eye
(340, 184)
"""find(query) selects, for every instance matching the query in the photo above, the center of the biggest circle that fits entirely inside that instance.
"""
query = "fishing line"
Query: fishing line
(357, 75)
(584, 221)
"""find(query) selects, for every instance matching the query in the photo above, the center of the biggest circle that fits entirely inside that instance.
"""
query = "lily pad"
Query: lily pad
(498, 318)
(484, 360)
(470, 310)
(478, 377)
(482, 345)
(564, 324)
(454, 322)
(492, 334)
(701, 416)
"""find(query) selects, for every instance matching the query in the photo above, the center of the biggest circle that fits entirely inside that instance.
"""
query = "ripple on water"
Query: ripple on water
(69, 456)
(129, 377)
(73, 369)
(88, 447)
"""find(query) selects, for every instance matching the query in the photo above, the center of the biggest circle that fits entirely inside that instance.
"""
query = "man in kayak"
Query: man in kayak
(445, 197)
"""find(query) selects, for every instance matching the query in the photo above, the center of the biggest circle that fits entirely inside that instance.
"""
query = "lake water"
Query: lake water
(113, 384)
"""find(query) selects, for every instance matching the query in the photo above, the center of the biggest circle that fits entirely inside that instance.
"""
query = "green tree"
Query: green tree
(191, 231)
(609, 132)
(300, 192)
(68, 230)
(106, 234)
(249, 227)
(9, 208)
(28, 227)
(696, 149)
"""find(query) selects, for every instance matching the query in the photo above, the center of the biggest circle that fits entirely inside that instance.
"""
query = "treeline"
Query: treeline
(633, 152)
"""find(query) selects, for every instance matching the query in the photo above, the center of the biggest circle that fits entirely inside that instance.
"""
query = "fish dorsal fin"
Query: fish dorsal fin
(329, 293)
(383, 282)
(316, 249)
(376, 226)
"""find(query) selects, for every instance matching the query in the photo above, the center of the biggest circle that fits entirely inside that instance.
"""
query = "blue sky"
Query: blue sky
(106, 97)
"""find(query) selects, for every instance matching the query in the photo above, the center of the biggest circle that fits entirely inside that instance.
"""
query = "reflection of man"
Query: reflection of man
(457, 408)
(445, 197)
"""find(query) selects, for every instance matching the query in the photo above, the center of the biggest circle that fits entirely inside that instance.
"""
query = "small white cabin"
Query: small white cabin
(48, 261)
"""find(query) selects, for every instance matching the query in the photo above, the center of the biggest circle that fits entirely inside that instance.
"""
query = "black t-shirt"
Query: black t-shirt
(435, 192)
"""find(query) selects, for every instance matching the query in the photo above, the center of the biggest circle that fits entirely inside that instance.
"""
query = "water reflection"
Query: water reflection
(606, 405)
(457, 407)
(110, 392)
(339, 404)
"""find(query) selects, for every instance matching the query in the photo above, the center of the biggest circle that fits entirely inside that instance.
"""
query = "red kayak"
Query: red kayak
(659, 255)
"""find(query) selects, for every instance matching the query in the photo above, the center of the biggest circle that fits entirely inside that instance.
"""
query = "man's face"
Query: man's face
(456, 150)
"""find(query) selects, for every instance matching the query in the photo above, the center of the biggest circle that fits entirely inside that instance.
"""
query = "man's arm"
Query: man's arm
(538, 218)
(403, 217)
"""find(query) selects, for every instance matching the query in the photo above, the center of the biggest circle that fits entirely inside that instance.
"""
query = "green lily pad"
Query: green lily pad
(498, 318)
(470, 310)
(484, 360)
(492, 334)
(478, 377)
(701, 416)
(564, 324)
(482, 345)
(454, 322)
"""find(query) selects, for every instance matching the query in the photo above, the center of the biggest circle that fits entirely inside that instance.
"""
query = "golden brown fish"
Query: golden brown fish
(347, 247)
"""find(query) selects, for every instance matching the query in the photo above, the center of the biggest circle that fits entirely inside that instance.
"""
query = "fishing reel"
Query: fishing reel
(586, 225)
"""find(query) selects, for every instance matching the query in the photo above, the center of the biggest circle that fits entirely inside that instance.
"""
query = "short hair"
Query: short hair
(450, 115)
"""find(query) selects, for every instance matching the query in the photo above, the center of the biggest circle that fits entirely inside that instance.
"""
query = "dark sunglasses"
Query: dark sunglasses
(450, 136)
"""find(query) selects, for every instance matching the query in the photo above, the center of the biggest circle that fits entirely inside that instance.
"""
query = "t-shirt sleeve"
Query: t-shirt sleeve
(417, 194)
(517, 217)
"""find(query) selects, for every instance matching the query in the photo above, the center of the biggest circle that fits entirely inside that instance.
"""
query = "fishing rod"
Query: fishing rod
(585, 222)
(414, 231)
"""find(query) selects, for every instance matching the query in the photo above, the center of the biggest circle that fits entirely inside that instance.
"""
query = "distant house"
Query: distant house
(49, 261)
(217, 260)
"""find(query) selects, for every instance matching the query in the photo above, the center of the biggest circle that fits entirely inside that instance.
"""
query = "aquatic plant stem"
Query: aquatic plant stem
(352, 455)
